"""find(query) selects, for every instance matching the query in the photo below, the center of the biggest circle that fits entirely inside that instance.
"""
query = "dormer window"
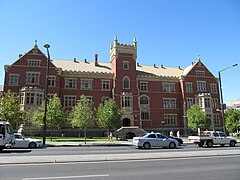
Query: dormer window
(125, 65)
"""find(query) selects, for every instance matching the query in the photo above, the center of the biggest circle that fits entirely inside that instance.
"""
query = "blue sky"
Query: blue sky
(168, 32)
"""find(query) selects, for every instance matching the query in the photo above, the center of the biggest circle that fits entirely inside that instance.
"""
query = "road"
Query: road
(92, 150)
(196, 168)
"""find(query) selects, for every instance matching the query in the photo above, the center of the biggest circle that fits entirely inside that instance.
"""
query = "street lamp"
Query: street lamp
(221, 94)
(47, 46)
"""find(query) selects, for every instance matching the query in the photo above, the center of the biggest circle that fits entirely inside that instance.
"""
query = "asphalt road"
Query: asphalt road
(196, 168)
(91, 150)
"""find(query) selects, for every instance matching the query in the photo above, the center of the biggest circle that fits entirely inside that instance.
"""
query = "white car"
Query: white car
(21, 142)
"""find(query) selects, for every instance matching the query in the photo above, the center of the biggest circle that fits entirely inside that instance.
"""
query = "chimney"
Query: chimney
(85, 60)
(96, 59)
(138, 64)
(155, 65)
(162, 66)
(74, 59)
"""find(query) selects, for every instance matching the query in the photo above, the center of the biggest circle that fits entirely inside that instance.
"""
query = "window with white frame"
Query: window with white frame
(126, 101)
(33, 78)
(189, 102)
(126, 83)
(144, 100)
(104, 98)
(216, 119)
(200, 73)
(144, 115)
(207, 103)
(39, 98)
(201, 85)
(70, 83)
(215, 103)
(105, 84)
(33, 62)
(86, 84)
(189, 87)
(169, 103)
(125, 65)
(170, 119)
(52, 81)
(30, 98)
(214, 88)
(168, 87)
(69, 101)
(144, 86)
(13, 79)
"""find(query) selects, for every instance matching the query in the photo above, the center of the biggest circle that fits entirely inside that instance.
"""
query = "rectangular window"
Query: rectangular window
(86, 84)
(52, 81)
(189, 102)
(33, 62)
(125, 65)
(13, 79)
(105, 84)
(70, 83)
(169, 103)
(30, 98)
(216, 119)
(201, 85)
(126, 101)
(207, 102)
(145, 115)
(189, 87)
(215, 103)
(69, 101)
(143, 86)
(170, 119)
(200, 73)
(39, 99)
(33, 78)
(214, 88)
(168, 87)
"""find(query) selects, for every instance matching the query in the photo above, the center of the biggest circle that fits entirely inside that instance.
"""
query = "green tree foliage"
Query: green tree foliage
(197, 118)
(56, 116)
(83, 115)
(10, 108)
(232, 119)
(109, 115)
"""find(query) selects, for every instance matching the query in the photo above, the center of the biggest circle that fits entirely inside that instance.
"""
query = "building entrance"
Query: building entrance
(126, 122)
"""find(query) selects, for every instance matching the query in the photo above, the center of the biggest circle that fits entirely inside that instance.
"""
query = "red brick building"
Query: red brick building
(151, 97)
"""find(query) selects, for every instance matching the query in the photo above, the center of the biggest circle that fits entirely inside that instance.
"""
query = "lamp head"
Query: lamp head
(47, 46)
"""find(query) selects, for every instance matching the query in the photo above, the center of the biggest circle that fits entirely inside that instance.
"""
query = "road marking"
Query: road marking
(68, 177)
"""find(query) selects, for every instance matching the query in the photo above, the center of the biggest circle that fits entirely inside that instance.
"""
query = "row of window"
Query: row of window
(204, 102)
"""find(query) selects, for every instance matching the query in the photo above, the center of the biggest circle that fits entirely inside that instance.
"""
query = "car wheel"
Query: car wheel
(32, 145)
(172, 145)
(209, 144)
(200, 144)
(146, 145)
(232, 143)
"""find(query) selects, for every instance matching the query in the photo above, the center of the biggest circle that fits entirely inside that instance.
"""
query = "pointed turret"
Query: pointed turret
(135, 43)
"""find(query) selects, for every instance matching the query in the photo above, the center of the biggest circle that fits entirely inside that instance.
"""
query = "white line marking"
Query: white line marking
(68, 177)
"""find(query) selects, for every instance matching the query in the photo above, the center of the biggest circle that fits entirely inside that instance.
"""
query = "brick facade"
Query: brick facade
(151, 97)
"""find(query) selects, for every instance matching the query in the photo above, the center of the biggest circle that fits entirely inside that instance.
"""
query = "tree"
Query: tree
(83, 115)
(232, 119)
(197, 118)
(56, 116)
(109, 115)
(10, 108)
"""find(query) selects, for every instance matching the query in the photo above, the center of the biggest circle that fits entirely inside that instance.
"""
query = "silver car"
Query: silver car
(155, 140)
(21, 142)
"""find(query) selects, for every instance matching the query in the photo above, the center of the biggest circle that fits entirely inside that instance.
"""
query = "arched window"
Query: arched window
(126, 83)
(144, 100)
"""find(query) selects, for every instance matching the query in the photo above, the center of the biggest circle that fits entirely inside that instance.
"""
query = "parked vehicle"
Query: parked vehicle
(210, 138)
(21, 142)
(6, 135)
(154, 140)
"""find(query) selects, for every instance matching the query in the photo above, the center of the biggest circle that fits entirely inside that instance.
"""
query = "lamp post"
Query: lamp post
(47, 46)
(221, 94)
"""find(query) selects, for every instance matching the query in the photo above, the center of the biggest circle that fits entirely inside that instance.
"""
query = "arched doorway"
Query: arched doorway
(126, 122)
